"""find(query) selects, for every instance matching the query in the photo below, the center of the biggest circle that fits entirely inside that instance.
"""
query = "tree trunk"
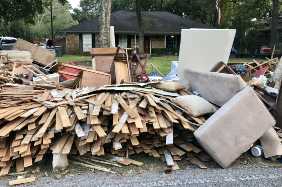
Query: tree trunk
(103, 39)
(52, 24)
(274, 23)
(138, 4)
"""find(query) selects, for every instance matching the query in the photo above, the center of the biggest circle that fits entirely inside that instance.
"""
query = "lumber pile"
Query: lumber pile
(118, 119)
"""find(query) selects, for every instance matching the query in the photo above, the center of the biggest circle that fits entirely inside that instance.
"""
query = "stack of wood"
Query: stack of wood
(122, 120)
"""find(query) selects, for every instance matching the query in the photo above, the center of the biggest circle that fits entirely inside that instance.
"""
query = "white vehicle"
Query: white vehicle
(7, 43)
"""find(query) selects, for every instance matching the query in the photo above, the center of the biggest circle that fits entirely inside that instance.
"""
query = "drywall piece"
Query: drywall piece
(233, 129)
(271, 143)
(202, 49)
(217, 88)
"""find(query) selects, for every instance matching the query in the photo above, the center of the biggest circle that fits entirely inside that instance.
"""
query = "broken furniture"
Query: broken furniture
(233, 129)
(217, 88)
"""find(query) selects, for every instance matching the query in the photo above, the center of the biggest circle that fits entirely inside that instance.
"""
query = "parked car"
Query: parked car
(7, 43)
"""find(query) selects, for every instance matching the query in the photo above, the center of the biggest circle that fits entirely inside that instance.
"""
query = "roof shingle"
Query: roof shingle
(155, 22)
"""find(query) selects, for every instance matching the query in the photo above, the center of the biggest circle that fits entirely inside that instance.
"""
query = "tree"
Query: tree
(103, 39)
(241, 15)
(138, 8)
(88, 9)
(41, 27)
(274, 22)
(15, 15)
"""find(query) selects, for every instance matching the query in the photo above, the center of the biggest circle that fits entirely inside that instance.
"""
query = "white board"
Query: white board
(202, 49)
(112, 37)
(87, 42)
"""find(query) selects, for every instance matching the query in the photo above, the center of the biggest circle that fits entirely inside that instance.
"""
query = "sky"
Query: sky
(74, 3)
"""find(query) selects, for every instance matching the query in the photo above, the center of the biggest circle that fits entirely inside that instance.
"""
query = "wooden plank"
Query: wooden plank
(27, 161)
(4, 131)
(198, 163)
(59, 145)
(143, 103)
(117, 128)
(168, 158)
(126, 107)
(100, 131)
(29, 112)
(22, 181)
(68, 145)
(169, 138)
(92, 78)
(31, 126)
(133, 129)
(134, 140)
(96, 147)
(20, 165)
(59, 124)
(125, 129)
(27, 139)
(121, 72)
(80, 115)
(114, 109)
(162, 121)
(64, 117)
(91, 137)
(5, 170)
(40, 111)
(45, 126)
(44, 118)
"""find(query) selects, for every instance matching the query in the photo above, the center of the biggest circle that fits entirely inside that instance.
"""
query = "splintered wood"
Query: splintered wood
(121, 120)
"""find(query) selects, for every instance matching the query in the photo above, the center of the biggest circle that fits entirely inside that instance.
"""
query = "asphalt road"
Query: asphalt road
(251, 176)
(247, 171)
(195, 177)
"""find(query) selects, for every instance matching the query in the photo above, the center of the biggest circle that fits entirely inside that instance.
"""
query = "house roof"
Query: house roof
(155, 22)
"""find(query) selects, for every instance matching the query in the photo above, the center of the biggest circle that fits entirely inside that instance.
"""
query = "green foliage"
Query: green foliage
(240, 14)
(89, 9)
(61, 17)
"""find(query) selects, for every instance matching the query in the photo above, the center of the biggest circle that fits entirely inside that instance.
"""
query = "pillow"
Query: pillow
(195, 105)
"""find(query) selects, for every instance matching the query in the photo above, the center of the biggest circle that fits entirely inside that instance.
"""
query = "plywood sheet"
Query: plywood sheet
(94, 79)
(121, 72)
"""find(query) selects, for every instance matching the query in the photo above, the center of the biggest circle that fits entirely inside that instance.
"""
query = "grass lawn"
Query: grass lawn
(162, 62)
(73, 58)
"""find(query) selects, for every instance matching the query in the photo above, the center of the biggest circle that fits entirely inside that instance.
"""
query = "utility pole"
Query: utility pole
(52, 24)
(274, 23)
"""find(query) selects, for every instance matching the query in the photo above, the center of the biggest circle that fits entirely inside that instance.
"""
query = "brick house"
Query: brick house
(161, 31)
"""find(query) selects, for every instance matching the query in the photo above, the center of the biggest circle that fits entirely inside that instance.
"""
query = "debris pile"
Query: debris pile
(121, 120)
(224, 110)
